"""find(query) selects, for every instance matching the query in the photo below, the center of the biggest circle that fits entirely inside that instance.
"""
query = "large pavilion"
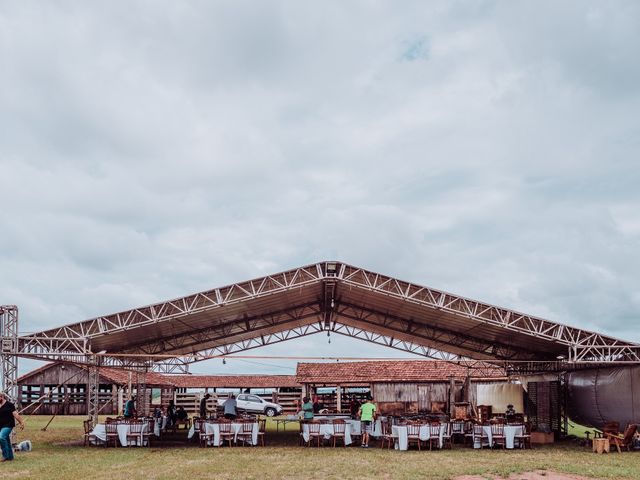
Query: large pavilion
(328, 296)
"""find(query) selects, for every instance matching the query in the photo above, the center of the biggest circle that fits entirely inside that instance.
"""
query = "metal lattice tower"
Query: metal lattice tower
(8, 350)
(93, 386)
(8, 357)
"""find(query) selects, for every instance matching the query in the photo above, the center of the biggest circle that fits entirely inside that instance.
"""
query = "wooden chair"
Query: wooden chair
(135, 433)
(625, 440)
(262, 430)
(314, 432)
(434, 435)
(413, 434)
(387, 435)
(447, 436)
(204, 439)
(525, 438)
(89, 438)
(497, 435)
(477, 435)
(339, 428)
(246, 432)
(111, 430)
(149, 432)
(226, 433)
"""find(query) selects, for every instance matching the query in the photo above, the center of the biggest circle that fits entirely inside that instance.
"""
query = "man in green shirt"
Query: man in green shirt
(367, 414)
(307, 408)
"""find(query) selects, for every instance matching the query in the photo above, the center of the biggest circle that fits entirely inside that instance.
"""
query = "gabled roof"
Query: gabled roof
(389, 371)
(334, 296)
(233, 381)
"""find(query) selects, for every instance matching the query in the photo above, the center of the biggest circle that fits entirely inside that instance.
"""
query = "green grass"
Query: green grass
(57, 454)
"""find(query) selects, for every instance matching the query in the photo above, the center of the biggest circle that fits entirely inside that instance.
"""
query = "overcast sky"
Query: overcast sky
(153, 149)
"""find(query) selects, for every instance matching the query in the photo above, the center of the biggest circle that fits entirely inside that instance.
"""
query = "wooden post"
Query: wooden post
(338, 399)
(452, 396)
(120, 401)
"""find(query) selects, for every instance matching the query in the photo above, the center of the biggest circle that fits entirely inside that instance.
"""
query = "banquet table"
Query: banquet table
(402, 443)
(214, 428)
(326, 429)
(510, 433)
(100, 432)
(356, 427)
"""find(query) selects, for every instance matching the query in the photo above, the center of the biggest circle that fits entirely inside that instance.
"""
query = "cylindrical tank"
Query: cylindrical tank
(602, 395)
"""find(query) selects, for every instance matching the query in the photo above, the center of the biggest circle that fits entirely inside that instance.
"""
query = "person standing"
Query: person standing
(8, 418)
(203, 405)
(230, 405)
(171, 414)
(354, 407)
(367, 414)
(307, 409)
(130, 407)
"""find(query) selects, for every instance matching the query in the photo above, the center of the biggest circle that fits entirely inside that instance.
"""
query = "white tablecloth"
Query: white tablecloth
(400, 431)
(356, 427)
(100, 431)
(326, 429)
(235, 429)
(510, 432)
(159, 425)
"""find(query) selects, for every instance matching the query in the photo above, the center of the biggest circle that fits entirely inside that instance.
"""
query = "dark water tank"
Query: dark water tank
(602, 395)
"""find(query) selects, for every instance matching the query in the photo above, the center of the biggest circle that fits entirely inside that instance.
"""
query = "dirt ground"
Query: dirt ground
(539, 475)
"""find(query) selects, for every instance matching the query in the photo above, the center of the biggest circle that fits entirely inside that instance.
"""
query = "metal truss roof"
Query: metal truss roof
(326, 296)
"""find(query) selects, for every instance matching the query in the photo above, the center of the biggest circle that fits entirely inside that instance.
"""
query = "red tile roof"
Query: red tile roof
(388, 371)
(233, 381)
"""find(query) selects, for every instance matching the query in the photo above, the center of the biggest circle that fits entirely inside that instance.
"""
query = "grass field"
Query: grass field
(58, 454)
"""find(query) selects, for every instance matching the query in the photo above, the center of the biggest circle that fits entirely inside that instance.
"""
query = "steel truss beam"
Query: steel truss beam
(443, 339)
(252, 326)
(589, 342)
(71, 342)
(197, 303)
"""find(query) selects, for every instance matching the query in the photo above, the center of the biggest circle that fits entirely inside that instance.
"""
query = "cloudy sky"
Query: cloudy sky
(153, 149)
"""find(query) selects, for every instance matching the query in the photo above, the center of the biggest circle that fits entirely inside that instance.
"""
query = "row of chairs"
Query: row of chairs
(137, 434)
(316, 436)
(245, 434)
(473, 433)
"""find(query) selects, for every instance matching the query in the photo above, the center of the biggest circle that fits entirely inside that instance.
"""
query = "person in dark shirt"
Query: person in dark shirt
(181, 413)
(171, 414)
(354, 406)
(203, 405)
(8, 418)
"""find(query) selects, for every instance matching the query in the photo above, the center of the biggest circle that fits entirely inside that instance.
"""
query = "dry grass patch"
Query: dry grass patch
(55, 456)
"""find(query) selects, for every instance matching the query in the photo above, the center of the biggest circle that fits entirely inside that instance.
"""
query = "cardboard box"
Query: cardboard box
(541, 437)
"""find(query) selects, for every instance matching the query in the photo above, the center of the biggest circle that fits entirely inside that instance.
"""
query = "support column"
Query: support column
(93, 384)
(142, 403)
(8, 354)
(339, 399)
(452, 396)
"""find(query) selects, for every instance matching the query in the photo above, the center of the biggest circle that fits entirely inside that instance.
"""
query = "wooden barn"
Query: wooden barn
(64, 388)
(398, 387)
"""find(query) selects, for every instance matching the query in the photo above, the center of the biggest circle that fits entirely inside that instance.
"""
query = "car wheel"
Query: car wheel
(269, 412)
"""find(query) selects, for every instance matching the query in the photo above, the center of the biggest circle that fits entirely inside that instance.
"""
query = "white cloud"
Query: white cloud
(153, 149)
